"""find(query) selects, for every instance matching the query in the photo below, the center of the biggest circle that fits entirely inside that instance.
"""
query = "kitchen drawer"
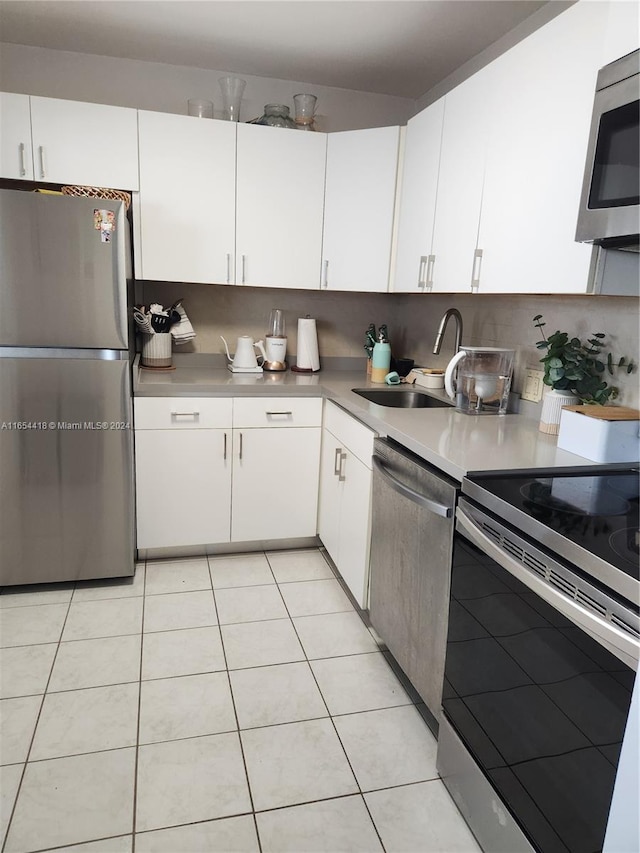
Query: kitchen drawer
(277, 412)
(183, 412)
(354, 435)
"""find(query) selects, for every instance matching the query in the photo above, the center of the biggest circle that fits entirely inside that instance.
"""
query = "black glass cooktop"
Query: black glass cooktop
(597, 509)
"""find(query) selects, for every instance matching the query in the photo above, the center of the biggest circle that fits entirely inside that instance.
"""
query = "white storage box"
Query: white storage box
(601, 433)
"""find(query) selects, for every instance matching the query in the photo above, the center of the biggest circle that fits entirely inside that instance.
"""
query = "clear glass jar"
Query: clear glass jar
(305, 106)
(276, 115)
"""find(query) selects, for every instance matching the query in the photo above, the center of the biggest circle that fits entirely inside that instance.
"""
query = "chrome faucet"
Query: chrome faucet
(450, 312)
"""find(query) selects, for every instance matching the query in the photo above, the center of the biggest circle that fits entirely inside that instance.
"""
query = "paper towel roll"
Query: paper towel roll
(307, 359)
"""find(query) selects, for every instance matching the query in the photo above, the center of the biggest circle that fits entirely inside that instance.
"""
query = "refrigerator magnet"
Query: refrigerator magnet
(104, 221)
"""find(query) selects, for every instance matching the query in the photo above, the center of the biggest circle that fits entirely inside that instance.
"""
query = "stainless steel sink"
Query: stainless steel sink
(400, 398)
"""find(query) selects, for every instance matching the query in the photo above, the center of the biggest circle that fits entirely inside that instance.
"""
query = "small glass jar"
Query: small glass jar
(276, 115)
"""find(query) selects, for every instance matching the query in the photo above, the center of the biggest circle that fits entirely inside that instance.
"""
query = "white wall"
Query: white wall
(166, 88)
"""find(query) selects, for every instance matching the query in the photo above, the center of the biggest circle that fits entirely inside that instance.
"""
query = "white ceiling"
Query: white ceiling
(394, 47)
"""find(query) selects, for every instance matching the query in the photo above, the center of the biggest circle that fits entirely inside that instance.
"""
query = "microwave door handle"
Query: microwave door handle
(411, 494)
(620, 644)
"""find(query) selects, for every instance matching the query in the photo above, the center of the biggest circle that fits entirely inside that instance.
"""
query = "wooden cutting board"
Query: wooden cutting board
(606, 413)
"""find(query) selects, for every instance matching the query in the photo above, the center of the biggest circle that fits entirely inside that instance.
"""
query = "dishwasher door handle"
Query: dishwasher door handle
(407, 492)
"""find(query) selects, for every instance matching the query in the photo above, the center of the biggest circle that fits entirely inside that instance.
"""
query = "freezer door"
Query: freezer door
(62, 271)
(66, 483)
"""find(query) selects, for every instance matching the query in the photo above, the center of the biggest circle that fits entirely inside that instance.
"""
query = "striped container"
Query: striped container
(156, 350)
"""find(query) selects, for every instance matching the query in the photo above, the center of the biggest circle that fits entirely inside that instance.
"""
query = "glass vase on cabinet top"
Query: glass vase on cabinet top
(305, 106)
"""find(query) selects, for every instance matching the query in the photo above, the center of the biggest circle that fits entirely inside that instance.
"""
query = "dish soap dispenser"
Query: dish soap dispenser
(381, 358)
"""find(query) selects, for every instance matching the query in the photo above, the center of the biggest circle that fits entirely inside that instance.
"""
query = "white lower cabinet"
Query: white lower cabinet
(344, 515)
(183, 471)
(212, 471)
(275, 492)
(183, 485)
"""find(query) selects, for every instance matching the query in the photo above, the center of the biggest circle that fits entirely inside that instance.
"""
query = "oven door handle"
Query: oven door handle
(624, 647)
(407, 492)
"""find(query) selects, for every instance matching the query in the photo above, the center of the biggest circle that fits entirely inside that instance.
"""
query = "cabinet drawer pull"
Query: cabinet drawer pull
(224, 456)
(477, 267)
(42, 163)
(228, 267)
(272, 414)
(23, 168)
(185, 414)
(336, 462)
(341, 474)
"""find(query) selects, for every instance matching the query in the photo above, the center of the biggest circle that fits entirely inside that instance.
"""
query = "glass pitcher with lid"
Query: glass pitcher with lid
(483, 381)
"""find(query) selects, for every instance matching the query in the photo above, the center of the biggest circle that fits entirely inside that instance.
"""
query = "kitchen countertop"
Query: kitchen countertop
(452, 441)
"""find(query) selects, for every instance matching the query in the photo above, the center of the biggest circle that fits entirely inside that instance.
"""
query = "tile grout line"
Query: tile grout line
(35, 728)
(355, 778)
(235, 712)
(134, 816)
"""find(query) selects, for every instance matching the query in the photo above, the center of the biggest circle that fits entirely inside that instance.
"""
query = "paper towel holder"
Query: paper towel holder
(307, 359)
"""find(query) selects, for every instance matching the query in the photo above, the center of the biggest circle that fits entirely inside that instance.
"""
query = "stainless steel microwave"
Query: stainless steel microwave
(609, 212)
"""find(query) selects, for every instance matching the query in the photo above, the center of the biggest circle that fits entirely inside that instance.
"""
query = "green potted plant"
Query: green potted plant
(574, 371)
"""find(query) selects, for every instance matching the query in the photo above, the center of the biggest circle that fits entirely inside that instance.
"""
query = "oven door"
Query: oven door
(539, 672)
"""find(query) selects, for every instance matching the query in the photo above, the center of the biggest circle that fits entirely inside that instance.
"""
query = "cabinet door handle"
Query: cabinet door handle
(224, 456)
(244, 268)
(421, 268)
(431, 262)
(240, 452)
(343, 459)
(228, 267)
(42, 163)
(477, 267)
(23, 168)
(336, 462)
(325, 278)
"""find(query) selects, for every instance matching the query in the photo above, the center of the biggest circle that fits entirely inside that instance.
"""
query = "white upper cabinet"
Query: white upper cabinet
(622, 31)
(187, 198)
(468, 113)
(16, 160)
(540, 123)
(358, 209)
(418, 199)
(279, 206)
(79, 143)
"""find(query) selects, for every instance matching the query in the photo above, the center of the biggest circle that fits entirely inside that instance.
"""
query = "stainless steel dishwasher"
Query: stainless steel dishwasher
(410, 566)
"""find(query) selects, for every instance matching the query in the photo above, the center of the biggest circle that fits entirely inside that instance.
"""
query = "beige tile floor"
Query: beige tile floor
(211, 705)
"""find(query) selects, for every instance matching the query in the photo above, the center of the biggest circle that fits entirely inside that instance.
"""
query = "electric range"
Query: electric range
(588, 516)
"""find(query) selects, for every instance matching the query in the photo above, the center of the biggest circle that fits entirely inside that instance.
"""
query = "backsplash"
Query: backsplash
(413, 319)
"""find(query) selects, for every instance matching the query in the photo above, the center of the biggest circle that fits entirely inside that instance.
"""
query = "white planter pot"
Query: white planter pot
(552, 404)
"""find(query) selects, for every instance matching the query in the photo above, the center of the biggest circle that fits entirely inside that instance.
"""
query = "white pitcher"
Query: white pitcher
(245, 357)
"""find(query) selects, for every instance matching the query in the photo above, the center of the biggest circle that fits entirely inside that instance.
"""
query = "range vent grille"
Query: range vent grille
(553, 575)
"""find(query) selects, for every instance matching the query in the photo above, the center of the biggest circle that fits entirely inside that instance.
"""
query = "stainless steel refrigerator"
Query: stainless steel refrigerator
(66, 459)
